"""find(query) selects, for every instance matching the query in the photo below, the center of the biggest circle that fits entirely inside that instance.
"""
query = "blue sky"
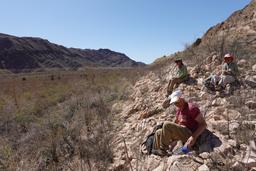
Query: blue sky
(142, 29)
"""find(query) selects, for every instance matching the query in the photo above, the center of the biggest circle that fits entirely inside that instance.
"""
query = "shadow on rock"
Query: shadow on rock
(206, 142)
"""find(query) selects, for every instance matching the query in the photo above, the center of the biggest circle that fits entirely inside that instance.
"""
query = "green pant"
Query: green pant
(174, 83)
(170, 132)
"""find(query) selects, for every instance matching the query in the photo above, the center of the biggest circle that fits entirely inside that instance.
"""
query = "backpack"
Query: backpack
(147, 145)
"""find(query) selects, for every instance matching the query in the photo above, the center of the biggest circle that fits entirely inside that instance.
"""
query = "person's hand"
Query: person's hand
(225, 73)
(190, 142)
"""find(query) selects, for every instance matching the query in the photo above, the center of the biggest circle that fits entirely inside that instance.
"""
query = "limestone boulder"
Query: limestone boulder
(254, 67)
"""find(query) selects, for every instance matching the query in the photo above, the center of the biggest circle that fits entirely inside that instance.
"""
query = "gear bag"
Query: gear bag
(147, 145)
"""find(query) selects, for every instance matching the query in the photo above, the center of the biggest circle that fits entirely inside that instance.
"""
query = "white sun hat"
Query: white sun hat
(174, 97)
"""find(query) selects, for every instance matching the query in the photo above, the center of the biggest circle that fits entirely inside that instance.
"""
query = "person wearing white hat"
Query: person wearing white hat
(229, 73)
(188, 125)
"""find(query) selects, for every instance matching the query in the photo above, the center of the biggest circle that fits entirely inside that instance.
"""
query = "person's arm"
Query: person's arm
(201, 127)
(235, 71)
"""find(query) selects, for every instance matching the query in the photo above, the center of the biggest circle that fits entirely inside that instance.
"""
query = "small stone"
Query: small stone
(233, 127)
(249, 162)
(203, 167)
(254, 67)
(200, 81)
(232, 142)
(252, 116)
(231, 114)
(172, 159)
(221, 126)
(219, 101)
(237, 166)
(252, 144)
(203, 95)
(204, 155)
(242, 62)
(224, 149)
(161, 167)
(253, 169)
(251, 104)
(243, 147)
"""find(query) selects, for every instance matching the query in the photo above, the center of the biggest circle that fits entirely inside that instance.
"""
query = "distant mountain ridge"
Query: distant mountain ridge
(29, 53)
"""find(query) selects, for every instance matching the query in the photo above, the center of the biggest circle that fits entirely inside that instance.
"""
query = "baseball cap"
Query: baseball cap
(228, 56)
(178, 60)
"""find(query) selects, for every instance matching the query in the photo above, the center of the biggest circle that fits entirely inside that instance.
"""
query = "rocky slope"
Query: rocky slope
(19, 53)
(231, 117)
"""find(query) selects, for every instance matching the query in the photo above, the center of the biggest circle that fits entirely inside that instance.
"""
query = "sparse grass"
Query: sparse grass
(49, 123)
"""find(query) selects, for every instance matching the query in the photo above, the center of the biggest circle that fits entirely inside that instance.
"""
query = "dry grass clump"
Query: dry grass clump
(61, 123)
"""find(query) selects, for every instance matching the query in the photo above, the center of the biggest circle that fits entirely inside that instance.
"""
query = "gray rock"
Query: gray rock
(161, 167)
(251, 104)
(242, 63)
(204, 155)
(237, 166)
(184, 163)
(254, 67)
(203, 167)
(252, 116)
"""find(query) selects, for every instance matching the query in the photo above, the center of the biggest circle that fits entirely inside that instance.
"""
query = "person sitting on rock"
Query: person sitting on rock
(182, 75)
(229, 73)
(189, 125)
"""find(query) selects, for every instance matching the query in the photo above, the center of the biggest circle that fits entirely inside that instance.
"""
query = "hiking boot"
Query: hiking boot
(168, 93)
(219, 88)
(160, 152)
(166, 104)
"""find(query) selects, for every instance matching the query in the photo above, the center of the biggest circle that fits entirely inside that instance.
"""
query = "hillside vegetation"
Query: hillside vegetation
(60, 120)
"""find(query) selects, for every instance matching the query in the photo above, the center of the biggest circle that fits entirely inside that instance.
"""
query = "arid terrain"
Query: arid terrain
(95, 118)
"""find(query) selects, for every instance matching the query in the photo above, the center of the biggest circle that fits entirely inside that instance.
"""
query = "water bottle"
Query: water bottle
(185, 149)
(182, 150)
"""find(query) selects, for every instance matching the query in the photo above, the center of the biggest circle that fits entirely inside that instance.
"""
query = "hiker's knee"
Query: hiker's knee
(168, 125)
(229, 79)
(175, 80)
(158, 132)
(215, 79)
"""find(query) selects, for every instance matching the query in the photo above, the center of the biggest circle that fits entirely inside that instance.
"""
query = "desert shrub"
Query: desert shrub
(24, 119)
(5, 156)
(59, 121)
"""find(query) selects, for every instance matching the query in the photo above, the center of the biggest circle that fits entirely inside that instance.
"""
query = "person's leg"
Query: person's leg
(169, 91)
(171, 85)
(157, 140)
(173, 131)
(215, 79)
(226, 79)
(178, 81)
(169, 132)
